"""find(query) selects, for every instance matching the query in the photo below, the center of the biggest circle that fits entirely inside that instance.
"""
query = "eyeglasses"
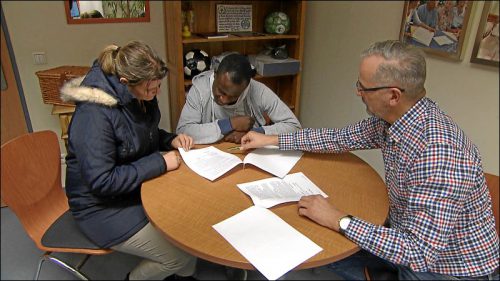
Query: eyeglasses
(361, 88)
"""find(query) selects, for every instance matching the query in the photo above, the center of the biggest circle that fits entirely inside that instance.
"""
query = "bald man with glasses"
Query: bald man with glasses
(441, 224)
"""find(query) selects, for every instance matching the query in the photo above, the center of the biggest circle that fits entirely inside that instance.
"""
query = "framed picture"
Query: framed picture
(485, 49)
(79, 11)
(438, 27)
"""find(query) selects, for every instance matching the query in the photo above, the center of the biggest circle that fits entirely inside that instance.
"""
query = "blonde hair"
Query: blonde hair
(136, 61)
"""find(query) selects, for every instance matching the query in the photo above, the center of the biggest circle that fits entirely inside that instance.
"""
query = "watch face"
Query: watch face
(344, 222)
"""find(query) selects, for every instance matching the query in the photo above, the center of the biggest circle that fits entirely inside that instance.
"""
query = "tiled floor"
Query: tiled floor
(19, 259)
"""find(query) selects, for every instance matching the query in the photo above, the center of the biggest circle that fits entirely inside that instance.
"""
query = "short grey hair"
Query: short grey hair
(404, 66)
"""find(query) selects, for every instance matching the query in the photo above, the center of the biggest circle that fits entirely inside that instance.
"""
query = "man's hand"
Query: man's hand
(234, 136)
(255, 140)
(242, 123)
(172, 160)
(184, 141)
(318, 209)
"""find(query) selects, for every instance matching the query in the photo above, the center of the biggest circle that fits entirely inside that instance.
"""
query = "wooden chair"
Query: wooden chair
(31, 187)
(493, 186)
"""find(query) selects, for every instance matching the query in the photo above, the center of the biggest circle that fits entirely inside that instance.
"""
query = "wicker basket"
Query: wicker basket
(51, 81)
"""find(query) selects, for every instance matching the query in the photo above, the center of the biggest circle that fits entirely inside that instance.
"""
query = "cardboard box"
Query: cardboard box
(268, 66)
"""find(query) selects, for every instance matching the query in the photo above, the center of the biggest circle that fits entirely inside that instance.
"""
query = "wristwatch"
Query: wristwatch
(344, 223)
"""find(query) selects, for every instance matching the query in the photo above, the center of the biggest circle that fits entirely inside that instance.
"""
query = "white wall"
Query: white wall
(41, 26)
(337, 32)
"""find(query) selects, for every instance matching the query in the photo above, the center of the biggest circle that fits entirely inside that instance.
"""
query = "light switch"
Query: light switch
(39, 58)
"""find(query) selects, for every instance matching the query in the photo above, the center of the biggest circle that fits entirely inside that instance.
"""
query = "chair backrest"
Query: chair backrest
(31, 181)
(493, 186)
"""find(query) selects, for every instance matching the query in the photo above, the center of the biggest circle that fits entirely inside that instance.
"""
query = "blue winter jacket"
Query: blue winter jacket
(114, 146)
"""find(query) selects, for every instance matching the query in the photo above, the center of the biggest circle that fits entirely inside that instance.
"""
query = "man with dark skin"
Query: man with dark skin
(227, 103)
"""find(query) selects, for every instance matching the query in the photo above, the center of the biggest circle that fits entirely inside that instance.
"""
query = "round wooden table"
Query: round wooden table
(184, 205)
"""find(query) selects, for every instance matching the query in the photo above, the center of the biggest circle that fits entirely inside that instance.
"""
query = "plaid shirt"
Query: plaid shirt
(440, 213)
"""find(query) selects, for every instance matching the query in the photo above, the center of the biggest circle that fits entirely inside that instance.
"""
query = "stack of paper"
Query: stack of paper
(266, 241)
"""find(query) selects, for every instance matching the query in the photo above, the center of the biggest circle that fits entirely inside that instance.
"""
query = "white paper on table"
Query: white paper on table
(272, 160)
(273, 191)
(209, 162)
(451, 35)
(443, 40)
(422, 35)
(266, 241)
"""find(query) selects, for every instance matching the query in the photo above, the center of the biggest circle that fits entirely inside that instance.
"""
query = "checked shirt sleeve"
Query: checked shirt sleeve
(365, 134)
(438, 184)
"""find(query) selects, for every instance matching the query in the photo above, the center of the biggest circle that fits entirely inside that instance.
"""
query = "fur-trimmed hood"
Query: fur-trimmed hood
(72, 91)
(97, 87)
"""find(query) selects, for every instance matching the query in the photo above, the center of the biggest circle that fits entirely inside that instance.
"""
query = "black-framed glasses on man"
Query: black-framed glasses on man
(361, 88)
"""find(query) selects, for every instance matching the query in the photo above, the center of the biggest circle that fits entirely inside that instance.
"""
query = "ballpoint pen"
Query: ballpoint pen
(234, 148)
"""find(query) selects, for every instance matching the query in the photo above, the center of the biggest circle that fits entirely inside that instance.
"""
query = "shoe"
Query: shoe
(236, 273)
(177, 277)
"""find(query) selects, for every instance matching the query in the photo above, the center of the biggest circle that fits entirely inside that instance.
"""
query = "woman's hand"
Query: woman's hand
(184, 141)
(172, 160)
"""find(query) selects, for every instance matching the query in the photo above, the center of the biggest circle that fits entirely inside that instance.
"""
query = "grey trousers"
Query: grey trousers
(161, 258)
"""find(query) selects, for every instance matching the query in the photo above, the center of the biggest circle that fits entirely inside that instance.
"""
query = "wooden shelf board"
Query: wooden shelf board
(188, 82)
(198, 39)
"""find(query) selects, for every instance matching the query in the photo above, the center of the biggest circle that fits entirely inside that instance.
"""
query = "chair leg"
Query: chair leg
(37, 273)
(74, 270)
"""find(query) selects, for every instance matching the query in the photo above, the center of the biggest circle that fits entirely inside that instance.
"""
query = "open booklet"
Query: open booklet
(273, 191)
(211, 163)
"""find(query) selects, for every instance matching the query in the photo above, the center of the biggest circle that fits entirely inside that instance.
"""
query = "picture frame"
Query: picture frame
(485, 50)
(437, 27)
(81, 12)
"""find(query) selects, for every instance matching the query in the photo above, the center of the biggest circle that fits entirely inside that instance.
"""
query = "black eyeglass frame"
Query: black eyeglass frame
(361, 88)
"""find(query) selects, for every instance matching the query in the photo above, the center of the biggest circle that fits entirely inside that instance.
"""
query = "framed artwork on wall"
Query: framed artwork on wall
(485, 49)
(78, 12)
(438, 27)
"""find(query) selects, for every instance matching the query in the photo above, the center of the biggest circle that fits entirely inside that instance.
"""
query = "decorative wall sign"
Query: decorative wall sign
(234, 18)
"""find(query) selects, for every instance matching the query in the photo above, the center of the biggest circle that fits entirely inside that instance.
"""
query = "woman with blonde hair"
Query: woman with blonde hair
(114, 146)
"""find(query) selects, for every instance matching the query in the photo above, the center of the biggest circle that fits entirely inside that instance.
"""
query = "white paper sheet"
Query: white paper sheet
(443, 40)
(422, 35)
(211, 163)
(266, 241)
(273, 191)
(272, 160)
(451, 35)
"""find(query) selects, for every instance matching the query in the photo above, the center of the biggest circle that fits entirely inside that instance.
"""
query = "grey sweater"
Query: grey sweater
(200, 115)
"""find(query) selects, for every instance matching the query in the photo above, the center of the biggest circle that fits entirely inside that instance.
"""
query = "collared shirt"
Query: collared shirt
(440, 212)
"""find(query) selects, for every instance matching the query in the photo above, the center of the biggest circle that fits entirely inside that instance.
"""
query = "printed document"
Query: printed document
(273, 191)
(211, 163)
(266, 241)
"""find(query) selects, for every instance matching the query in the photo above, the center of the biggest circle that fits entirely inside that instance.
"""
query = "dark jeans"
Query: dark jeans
(352, 268)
